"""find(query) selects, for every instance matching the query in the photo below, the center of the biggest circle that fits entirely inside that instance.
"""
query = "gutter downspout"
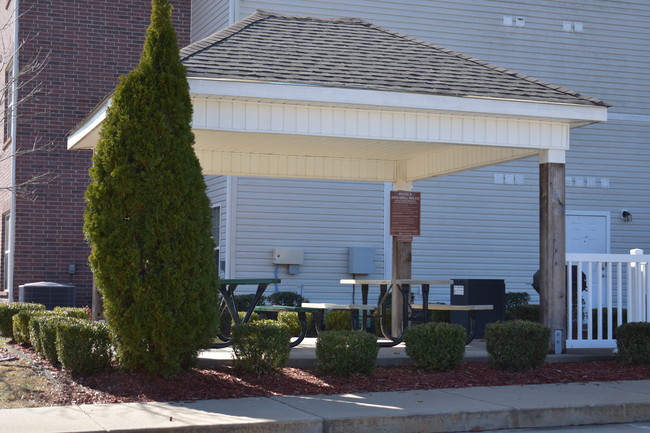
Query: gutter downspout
(12, 209)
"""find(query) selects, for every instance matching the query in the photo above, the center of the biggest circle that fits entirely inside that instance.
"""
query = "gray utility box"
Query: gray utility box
(47, 293)
(478, 292)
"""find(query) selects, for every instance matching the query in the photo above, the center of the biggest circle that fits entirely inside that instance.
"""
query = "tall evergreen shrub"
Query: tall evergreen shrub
(148, 217)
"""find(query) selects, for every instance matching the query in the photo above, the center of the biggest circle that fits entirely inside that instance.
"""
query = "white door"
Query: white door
(587, 232)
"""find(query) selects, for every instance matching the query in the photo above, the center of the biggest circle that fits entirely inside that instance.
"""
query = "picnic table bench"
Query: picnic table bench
(302, 317)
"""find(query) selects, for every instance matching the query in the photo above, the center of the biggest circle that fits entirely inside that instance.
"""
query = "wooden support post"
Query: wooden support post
(97, 309)
(402, 259)
(552, 195)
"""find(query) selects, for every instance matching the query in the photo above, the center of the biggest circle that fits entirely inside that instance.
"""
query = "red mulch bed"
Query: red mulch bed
(223, 382)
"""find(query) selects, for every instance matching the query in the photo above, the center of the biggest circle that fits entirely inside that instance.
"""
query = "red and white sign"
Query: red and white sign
(404, 214)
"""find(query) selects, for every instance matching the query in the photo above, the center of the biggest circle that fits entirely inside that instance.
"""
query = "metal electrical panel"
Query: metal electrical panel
(287, 256)
(361, 260)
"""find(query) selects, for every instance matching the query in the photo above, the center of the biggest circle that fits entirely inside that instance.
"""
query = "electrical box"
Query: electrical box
(287, 256)
(361, 260)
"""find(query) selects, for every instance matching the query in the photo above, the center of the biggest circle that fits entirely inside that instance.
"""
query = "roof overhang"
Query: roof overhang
(301, 131)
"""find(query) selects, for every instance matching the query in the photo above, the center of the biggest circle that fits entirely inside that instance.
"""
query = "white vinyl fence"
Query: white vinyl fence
(613, 290)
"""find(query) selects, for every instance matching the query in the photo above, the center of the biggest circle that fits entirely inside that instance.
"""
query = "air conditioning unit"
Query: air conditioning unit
(47, 293)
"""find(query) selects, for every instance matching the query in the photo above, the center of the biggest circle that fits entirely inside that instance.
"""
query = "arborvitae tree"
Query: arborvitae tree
(148, 216)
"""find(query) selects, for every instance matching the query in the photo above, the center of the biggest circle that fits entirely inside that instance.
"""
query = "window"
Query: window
(8, 101)
(6, 219)
(216, 234)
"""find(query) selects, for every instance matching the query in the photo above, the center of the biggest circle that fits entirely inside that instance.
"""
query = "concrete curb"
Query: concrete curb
(443, 410)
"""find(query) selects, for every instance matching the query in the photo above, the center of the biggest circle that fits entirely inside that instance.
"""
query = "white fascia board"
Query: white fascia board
(88, 127)
(577, 115)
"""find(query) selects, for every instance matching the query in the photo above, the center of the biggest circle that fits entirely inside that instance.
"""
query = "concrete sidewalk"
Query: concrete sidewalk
(447, 410)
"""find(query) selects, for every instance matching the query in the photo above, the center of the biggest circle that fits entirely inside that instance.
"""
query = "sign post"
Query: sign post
(404, 224)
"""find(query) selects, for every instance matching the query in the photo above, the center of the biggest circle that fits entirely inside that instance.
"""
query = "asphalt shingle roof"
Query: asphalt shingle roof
(353, 53)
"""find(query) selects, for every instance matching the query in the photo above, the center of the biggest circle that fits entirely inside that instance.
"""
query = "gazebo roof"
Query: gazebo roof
(353, 53)
(342, 98)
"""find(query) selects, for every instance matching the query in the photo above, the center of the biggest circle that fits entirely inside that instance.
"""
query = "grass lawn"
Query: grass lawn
(20, 383)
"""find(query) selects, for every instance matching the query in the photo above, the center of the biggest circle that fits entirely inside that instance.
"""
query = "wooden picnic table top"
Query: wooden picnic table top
(402, 281)
(329, 306)
(448, 307)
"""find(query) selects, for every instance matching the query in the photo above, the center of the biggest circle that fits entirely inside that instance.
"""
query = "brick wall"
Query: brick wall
(88, 45)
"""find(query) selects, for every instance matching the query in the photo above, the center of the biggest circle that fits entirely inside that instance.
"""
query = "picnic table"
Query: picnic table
(404, 285)
(227, 289)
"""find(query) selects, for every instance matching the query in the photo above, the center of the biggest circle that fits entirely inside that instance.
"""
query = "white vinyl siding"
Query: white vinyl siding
(323, 218)
(208, 16)
(472, 227)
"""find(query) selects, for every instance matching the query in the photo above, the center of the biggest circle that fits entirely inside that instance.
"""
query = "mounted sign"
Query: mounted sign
(404, 213)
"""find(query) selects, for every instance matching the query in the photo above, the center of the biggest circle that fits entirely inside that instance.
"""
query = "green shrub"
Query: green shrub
(516, 345)
(243, 301)
(35, 323)
(254, 317)
(288, 299)
(21, 325)
(262, 346)
(148, 217)
(7, 312)
(346, 352)
(633, 343)
(530, 313)
(615, 324)
(515, 299)
(436, 346)
(290, 318)
(338, 320)
(77, 313)
(47, 344)
(35, 329)
(83, 347)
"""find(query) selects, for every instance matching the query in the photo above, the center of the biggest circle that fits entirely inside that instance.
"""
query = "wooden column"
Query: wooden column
(402, 261)
(552, 196)
(97, 309)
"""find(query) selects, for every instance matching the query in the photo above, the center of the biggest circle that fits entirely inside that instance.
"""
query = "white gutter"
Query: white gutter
(12, 208)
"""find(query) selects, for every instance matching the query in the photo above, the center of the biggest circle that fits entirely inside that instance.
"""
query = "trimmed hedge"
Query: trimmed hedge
(7, 312)
(288, 299)
(436, 346)
(338, 320)
(516, 345)
(48, 326)
(243, 301)
(35, 330)
(77, 313)
(21, 325)
(290, 318)
(528, 312)
(346, 352)
(262, 346)
(83, 347)
(633, 343)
